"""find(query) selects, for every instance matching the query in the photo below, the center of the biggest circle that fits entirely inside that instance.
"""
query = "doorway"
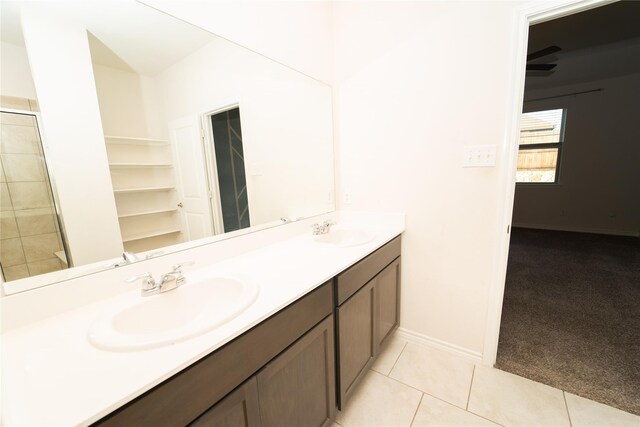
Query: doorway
(572, 291)
(228, 169)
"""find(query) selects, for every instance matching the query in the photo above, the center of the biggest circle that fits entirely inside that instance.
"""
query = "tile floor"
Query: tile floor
(414, 385)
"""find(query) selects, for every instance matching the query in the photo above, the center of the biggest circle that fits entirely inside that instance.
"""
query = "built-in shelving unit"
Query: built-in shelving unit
(142, 189)
(125, 140)
(142, 174)
(129, 215)
(150, 234)
(139, 165)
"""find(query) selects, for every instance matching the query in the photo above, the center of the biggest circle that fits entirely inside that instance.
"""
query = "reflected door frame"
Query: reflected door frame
(212, 166)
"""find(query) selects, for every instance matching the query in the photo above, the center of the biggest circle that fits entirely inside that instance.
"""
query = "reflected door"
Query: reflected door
(230, 169)
(193, 190)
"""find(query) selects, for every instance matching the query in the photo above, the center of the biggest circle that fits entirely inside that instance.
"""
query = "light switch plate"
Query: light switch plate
(479, 156)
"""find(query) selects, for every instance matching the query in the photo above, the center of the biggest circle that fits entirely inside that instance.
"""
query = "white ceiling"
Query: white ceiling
(127, 34)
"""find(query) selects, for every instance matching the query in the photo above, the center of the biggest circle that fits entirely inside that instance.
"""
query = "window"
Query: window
(541, 137)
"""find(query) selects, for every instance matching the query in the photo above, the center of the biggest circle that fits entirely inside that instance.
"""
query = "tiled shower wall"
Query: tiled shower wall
(29, 232)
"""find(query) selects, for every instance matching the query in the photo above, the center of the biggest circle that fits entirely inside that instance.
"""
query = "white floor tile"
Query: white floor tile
(435, 372)
(389, 355)
(587, 413)
(380, 401)
(436, 413)
(515, 401)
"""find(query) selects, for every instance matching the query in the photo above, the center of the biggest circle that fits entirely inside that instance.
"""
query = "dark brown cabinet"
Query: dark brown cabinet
(388, 293)
(293, 368)
(200, 388)
(356, 336)
(368, 296)
(298, 387)
(238, 409)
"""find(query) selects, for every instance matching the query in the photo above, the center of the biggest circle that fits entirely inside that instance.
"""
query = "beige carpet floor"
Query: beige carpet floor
(571, 314)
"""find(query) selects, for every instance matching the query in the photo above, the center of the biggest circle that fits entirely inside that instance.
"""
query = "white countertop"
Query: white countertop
(52, 375)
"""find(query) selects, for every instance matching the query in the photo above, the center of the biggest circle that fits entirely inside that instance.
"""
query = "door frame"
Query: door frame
(212, 165)
(527, 15)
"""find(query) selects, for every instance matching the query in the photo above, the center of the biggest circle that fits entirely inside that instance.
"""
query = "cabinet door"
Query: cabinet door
(238, 409)
(388, 295)
(356, 338)
(297, 389)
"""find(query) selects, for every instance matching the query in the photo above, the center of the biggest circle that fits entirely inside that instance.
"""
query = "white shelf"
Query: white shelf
(139, 165)
(125, 140)
(159, 211)
(149, 234)
(142, 190)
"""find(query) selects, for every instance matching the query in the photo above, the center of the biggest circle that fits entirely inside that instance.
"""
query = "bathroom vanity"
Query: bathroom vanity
(284, 371)
(292, 357)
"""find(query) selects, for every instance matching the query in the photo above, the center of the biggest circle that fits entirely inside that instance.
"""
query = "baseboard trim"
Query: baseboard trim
(417, 338)
(578, 229)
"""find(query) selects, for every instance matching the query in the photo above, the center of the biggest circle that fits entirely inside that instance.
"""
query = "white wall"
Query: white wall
(286, 124)
(63, 77)
(600, 165)
(415, 83)
(295, 33)
(129, 103)
(15, 74)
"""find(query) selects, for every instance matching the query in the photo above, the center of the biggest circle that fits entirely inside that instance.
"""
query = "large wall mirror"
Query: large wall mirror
(128, 131)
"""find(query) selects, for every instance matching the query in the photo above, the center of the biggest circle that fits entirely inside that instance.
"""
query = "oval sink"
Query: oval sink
(344, 237)
(167, 318)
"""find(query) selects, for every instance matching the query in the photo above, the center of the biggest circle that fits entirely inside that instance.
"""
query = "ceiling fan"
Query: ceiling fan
(549, 50)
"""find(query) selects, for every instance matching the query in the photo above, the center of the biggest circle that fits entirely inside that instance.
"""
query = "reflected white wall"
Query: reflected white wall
(62, 73)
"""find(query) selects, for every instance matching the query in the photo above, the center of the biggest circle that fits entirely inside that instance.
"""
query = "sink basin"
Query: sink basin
(344, 237)
(170, 317)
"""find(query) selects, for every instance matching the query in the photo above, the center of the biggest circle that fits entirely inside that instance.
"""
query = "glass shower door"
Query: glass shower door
(31, 238)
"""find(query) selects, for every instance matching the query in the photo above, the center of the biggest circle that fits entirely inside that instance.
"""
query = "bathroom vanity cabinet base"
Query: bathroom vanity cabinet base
(238, 409)
(293, 369)
(367, 312)
(297, 388)
(187, 395)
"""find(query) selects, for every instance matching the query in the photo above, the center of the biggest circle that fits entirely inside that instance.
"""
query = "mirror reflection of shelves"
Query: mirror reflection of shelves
(143, 181)
(141, 189)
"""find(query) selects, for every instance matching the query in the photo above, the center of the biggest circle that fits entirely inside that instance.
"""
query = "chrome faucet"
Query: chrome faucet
(149, 286)
(130, 257)
(127, 258)
(323, 228)
(168, 281)
(175, 278)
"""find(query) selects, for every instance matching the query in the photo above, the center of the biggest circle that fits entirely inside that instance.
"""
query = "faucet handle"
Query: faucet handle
(147, 277)
(152, 254)
(129, 257)
(177, 268)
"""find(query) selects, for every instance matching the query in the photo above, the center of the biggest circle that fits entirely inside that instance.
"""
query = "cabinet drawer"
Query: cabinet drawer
(185, 396)
(354, 278)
